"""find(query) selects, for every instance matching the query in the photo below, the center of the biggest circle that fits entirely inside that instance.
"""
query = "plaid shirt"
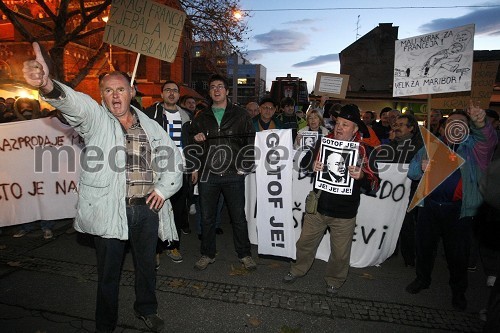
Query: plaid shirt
(138, 167)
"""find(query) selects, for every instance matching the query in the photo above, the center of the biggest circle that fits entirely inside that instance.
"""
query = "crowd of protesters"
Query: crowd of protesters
(454, 211)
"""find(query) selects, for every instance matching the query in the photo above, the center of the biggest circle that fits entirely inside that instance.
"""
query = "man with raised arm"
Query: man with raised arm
(130, 170)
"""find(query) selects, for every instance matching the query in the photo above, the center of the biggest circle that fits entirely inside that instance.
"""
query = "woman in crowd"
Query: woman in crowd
(315, 123)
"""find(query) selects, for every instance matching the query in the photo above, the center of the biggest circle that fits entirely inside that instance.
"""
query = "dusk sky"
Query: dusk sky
(290, 37)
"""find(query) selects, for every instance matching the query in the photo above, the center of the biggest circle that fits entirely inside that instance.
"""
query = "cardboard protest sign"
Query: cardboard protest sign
(331, 85)
(483, 79)
(145, 27)
(438, 62)
(337, 155)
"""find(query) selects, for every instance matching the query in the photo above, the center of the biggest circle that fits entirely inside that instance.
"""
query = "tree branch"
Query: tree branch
(90, 64)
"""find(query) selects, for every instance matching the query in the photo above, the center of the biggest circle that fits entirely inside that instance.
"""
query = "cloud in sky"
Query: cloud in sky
(283, 40)
(301, 22)
(486, 20)
(279, 40)
(318, 60)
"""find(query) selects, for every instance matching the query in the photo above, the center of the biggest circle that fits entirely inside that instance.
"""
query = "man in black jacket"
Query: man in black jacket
(224, 135)
(174, 120)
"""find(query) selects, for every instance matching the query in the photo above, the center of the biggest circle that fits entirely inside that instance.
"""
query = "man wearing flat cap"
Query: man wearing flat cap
(338, 212)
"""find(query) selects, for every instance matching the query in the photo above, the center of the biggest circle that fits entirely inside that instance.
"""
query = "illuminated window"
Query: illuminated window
(197, 54)
(242, 80)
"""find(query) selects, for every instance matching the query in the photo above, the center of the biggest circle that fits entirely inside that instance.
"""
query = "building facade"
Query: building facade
(151, 72)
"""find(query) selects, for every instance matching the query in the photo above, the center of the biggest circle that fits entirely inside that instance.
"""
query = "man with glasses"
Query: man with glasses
(124, 196)
(224, 136)
(174, 120)
(265, 119)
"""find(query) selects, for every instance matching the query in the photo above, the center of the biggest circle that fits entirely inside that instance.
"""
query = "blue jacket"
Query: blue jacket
(101, 206)
(477, 151)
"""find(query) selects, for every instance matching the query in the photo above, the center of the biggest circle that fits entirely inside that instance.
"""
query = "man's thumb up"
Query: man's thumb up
(36, 72)
(38, 53)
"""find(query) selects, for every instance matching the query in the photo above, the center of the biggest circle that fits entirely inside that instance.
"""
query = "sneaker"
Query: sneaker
(186, 230)
(157, 259)
(416, 286)
(20, 233)
(490, 280)
(289, 278)
(332, 291)
(483, 315)
(47, 234)
(472, 268)
(248, 263)
(203, 262)
(192, 209)
(152, 321)
(175, 255)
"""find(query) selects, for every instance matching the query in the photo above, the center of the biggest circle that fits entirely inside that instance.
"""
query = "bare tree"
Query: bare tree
(68, 23)
(74, 21)
(215, 21)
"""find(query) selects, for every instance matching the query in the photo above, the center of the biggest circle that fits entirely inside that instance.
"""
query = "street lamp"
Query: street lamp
(237, 14)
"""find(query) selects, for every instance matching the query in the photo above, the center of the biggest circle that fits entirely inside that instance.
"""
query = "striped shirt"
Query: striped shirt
(172, 124)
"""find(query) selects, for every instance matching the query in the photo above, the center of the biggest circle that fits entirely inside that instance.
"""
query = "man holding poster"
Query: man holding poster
(336, 211)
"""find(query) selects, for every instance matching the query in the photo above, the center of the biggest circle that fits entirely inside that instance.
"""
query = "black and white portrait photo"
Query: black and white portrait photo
(336, 169)
(337, 156)
(308, 139)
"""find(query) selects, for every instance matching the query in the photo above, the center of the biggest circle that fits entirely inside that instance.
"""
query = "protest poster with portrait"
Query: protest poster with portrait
(336, 156)
(308, 139)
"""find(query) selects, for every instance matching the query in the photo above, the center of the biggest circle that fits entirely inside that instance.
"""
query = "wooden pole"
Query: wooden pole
(135, 69)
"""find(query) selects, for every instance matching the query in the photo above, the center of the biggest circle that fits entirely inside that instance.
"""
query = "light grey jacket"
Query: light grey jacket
(101, 207)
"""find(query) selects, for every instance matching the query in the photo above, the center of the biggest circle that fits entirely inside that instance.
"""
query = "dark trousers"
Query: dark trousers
(407, 237)
(493, 314)
(233, 190)
(143, 233)
(437, 220)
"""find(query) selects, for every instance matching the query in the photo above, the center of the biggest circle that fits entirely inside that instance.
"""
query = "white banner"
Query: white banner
(378, 221)
(438, 62)
(274, 193)
(39, 171)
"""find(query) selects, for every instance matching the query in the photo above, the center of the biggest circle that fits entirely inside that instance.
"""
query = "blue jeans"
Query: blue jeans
(143, 234)
(233, 189)
(44, 225)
